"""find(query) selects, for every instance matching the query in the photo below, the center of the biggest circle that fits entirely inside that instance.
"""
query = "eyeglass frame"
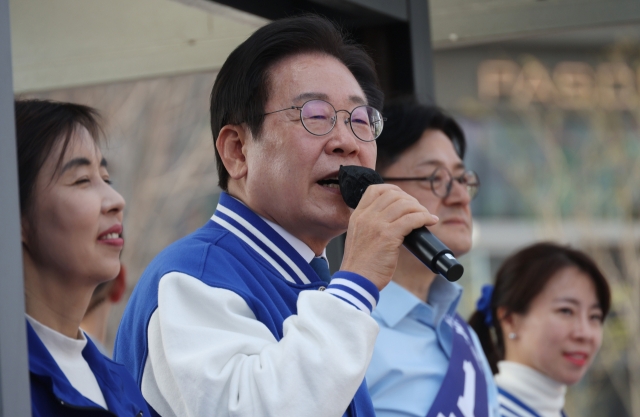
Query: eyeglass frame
(335, 119)
(449, 186)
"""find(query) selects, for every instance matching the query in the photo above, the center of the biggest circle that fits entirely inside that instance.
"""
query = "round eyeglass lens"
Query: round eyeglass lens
(318, 117)
(441, 182)
(472, 182)
(366, 123)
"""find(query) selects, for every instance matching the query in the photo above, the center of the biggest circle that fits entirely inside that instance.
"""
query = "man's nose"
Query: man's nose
(343, 141)
(459, 194)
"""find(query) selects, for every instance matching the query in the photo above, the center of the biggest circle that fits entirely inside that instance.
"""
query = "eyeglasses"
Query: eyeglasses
(441, 182)
(319, 118)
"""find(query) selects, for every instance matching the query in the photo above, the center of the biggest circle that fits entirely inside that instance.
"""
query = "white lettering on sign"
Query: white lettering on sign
(570, 85)
(467, 401)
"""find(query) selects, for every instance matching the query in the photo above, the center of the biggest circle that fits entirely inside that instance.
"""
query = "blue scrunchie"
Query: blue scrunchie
(484, 304)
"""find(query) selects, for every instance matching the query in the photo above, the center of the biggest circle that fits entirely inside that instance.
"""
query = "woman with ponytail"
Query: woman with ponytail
(540, 326)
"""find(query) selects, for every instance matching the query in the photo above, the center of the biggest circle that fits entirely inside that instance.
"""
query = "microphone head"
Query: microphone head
(354, 181)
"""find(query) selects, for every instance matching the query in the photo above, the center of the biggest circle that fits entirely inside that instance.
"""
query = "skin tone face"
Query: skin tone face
(433, 150)
(278, 173)
(289, 176)
(72, 235)
(562, 331)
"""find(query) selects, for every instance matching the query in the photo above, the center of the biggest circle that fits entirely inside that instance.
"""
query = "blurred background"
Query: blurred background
(548, 93)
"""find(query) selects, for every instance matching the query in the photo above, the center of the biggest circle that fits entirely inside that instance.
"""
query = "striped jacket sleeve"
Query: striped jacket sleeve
(208, 355)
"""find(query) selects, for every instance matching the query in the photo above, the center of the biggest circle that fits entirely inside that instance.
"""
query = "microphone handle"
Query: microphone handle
(354, 180)
(425, 246)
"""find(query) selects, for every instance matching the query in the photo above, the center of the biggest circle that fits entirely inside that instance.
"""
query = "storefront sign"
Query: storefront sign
(568, 85)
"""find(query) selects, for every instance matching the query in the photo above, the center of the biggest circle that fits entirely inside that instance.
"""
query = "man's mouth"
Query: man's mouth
(454, 220)
(330, 183)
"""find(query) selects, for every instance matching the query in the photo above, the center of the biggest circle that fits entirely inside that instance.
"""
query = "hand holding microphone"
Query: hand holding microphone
(354, 182)
(383, 217)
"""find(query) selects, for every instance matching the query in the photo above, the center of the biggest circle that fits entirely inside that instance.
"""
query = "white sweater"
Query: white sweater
(533, 389)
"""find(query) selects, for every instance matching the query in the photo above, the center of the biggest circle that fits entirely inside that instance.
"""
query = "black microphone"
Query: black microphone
(354, 180)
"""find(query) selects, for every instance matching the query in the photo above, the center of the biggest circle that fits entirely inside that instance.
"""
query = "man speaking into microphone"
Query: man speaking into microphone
(427, 361)
(241, 317)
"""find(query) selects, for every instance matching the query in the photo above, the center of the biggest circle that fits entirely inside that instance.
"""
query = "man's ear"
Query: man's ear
(231, 148)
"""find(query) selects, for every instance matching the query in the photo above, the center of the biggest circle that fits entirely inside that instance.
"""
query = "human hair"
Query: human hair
(406, 122)
(520, 279)
(40, 126)
(242, 86)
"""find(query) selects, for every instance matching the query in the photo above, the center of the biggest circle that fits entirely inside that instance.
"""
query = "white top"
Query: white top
(67, 353)
(536, 390)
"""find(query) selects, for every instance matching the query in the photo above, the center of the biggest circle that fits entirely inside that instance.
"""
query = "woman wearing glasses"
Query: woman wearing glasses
(71, 223)
(547, 308)
(427, 361)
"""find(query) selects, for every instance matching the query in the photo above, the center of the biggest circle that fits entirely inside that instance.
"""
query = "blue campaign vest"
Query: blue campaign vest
(238, 251)
(531, 412)
(463, 392)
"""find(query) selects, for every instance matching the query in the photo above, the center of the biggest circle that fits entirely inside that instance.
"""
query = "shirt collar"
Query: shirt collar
(299, 246)
(444, 296)
(397, 302)
(55, 341)
(273, 244)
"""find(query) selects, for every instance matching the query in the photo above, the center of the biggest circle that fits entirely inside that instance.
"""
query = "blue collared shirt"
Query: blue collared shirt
(412, 352)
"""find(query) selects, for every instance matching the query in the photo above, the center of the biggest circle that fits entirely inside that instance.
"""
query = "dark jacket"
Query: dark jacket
(52, 394)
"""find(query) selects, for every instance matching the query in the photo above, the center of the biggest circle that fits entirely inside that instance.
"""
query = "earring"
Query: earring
(512, 336)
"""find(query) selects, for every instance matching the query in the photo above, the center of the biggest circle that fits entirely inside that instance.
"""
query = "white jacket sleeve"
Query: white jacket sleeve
(209, 356)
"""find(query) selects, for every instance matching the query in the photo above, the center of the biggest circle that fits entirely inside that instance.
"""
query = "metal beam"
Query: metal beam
(350, 13)
(14, 376)
(421, 51)
(471, 22)
(395, 9)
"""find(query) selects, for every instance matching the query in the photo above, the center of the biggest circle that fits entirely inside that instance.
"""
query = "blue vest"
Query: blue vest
(227, 253)
(53, 395)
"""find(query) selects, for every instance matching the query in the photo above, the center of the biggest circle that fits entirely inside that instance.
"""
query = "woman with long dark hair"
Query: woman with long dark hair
(71, 225)
(540, 326)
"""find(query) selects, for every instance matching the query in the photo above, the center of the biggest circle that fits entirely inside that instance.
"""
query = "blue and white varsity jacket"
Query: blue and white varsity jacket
(232, 321)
